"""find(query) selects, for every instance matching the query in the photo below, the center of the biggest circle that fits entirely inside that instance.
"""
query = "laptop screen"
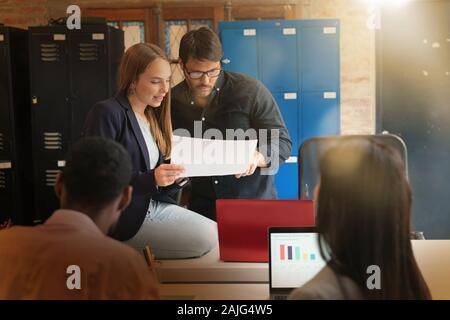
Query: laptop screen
(294, 258)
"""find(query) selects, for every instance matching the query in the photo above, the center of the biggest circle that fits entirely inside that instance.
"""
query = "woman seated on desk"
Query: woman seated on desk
(138, 117)
(363, 220)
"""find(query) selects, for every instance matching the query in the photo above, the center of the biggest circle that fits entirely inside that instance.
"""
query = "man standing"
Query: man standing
(212, 98)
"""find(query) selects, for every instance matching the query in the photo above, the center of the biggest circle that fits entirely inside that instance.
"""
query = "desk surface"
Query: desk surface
(209, 269)
(433, 258)
(214, 291)
(212, 279)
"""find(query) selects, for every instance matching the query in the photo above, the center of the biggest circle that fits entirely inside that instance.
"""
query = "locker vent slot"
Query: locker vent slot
(2, 144)
(2, 180)
(52, 140)
(50, 177)
(88, 51)
(49, 52)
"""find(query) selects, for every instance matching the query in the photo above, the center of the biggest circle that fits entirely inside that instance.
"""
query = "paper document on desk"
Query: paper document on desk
(205, 157)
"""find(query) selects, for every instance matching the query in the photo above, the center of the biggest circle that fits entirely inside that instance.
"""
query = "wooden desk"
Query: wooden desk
(211, 279)
(209, 269)
(433, 258)
(214, 291)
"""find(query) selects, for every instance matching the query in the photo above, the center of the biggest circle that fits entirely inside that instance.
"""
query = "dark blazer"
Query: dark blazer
(114, 119)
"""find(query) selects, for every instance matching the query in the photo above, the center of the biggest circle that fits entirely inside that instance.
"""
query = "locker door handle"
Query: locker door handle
(290, 96)
(5, 165)
(59, 37)
(329, 95)
(98, 36)
(289, 31)
(226, 61)
(291, 159)
(61, 163)
(249, 32)
(329, 30)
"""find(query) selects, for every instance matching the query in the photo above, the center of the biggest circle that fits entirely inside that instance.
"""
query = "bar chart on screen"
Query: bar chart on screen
(295, 259)
(296, 253)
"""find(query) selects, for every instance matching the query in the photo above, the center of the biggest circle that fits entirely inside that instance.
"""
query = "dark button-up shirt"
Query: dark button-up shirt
(237, 102)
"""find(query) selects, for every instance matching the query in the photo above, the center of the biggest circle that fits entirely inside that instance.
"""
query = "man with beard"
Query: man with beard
(224, 101)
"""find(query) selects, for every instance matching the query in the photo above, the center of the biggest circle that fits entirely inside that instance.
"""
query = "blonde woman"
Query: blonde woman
(138, 117)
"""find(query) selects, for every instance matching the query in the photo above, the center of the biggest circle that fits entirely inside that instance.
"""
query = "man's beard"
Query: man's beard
(195, 90)
(201, 93)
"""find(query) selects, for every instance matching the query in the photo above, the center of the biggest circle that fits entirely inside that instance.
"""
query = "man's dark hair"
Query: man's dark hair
(97, 170)
(200, 44)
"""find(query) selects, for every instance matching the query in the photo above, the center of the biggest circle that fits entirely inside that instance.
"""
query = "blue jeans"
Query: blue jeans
(173, 232)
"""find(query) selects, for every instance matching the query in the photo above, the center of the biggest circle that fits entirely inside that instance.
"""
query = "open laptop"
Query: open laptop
(294, 259)
(243, 225)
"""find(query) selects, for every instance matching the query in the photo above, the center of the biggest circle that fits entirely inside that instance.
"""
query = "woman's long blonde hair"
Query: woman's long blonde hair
(134, 62)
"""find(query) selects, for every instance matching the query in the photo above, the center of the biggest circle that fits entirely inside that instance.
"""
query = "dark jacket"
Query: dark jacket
(237, 102)
(114, 119)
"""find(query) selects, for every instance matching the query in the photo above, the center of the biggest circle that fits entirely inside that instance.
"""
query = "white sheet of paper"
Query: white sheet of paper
(205, 157)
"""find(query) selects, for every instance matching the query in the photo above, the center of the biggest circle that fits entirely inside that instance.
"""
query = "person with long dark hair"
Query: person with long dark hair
(363, 220)
(138, 117)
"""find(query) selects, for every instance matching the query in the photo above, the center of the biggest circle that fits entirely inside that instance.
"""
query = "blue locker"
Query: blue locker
(289, 105)
(320, 58)
(286, 180)
(290, 110)
(291, 56)
(320, 114)
(278, 56)
(240, 51)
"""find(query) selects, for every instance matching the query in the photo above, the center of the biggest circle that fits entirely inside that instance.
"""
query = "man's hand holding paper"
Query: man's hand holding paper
(257, 161)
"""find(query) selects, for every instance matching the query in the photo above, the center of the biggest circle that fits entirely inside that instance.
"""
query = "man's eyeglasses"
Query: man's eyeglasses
(199, 74)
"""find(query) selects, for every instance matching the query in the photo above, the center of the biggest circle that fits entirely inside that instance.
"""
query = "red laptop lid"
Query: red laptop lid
(243, 225)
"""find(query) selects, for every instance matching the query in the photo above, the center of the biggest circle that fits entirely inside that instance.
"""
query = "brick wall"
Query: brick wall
(357, 45)
(23, 13)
